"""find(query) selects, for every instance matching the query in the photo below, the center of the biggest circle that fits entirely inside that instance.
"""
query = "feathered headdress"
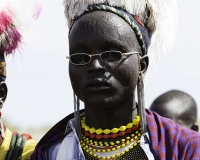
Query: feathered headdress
(159, 16)
(14, 27)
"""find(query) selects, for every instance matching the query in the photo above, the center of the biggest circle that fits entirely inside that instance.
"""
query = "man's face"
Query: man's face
(98, 83)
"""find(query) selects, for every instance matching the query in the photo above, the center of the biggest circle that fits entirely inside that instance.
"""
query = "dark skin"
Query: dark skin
(3, 92)
(107, 89)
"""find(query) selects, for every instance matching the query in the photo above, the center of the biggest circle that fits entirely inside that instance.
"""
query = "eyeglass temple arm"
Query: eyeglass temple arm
(129, 53)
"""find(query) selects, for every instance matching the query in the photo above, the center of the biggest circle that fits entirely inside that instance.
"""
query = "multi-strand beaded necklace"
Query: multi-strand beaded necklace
(110, 143)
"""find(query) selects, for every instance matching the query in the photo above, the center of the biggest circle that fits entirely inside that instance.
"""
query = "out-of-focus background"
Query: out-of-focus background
(39, 90)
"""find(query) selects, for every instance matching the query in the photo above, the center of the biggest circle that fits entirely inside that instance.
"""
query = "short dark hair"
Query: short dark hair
(188, 104)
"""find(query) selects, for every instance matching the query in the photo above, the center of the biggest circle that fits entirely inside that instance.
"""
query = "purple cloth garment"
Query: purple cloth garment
(169, 141)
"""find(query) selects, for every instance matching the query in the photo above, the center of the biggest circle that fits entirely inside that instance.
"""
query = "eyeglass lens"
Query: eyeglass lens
(81, 58)
(111, 56)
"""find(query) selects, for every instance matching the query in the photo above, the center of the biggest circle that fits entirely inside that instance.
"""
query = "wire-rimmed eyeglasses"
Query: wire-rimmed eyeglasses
(107, 56)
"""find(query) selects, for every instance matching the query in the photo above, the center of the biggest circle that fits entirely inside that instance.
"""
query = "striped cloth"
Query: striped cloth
(15, 146)
(169, 141)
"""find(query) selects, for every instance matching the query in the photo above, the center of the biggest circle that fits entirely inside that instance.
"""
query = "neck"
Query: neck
(113, 116)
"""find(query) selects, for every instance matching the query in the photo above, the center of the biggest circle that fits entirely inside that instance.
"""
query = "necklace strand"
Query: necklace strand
(95, 147)
(108, 131)
(95, 152)
(108, 146)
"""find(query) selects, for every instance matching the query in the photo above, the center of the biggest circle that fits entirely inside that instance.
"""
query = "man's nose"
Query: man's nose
(96, 65)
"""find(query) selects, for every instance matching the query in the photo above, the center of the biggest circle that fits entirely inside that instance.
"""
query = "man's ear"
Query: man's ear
(3, 93)
(144, 62)
(195, 127)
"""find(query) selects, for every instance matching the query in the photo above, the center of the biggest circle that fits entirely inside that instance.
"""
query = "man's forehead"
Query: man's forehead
(102, 27)
(100, 20)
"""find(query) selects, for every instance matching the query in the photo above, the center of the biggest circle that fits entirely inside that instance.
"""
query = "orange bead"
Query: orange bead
(106, 136)
(129, 130)
(135, 127)
(114, 135)
(92, 136)
(122, 133)
(87, 134)
(99, 136)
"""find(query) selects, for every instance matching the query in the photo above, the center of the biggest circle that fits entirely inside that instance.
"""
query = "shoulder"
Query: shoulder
(161, 125)
(29, 147)
(15, 145)
(156, 123)
(169, 137)
(51, 139)
(4, 147)
(193, 148)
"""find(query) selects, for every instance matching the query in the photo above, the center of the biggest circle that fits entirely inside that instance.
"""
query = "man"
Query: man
(13, 146)
(108, 46)
(178, 106)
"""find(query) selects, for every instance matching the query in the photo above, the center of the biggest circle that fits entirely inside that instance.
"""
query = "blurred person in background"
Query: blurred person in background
(178, 106)
(14, 24)
(108, 53)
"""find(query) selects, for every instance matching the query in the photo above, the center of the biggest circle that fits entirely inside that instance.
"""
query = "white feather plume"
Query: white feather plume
(38, 6)
(162, 19)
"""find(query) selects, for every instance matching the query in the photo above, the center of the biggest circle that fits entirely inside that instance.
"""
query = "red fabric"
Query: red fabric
(139, 21)
(28, 136)
(170, 141)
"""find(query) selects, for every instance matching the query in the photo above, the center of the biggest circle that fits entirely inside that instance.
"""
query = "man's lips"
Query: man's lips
(96, 85)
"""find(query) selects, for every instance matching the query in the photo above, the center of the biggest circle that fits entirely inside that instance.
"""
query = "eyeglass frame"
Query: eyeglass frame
(92, 55)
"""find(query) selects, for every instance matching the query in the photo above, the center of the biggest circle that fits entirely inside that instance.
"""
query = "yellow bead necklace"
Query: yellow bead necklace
(130, 138)
(94, 151)
(109, 146)
(108, 131)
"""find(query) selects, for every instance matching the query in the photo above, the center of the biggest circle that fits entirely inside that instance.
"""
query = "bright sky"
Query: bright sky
(39, 90)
